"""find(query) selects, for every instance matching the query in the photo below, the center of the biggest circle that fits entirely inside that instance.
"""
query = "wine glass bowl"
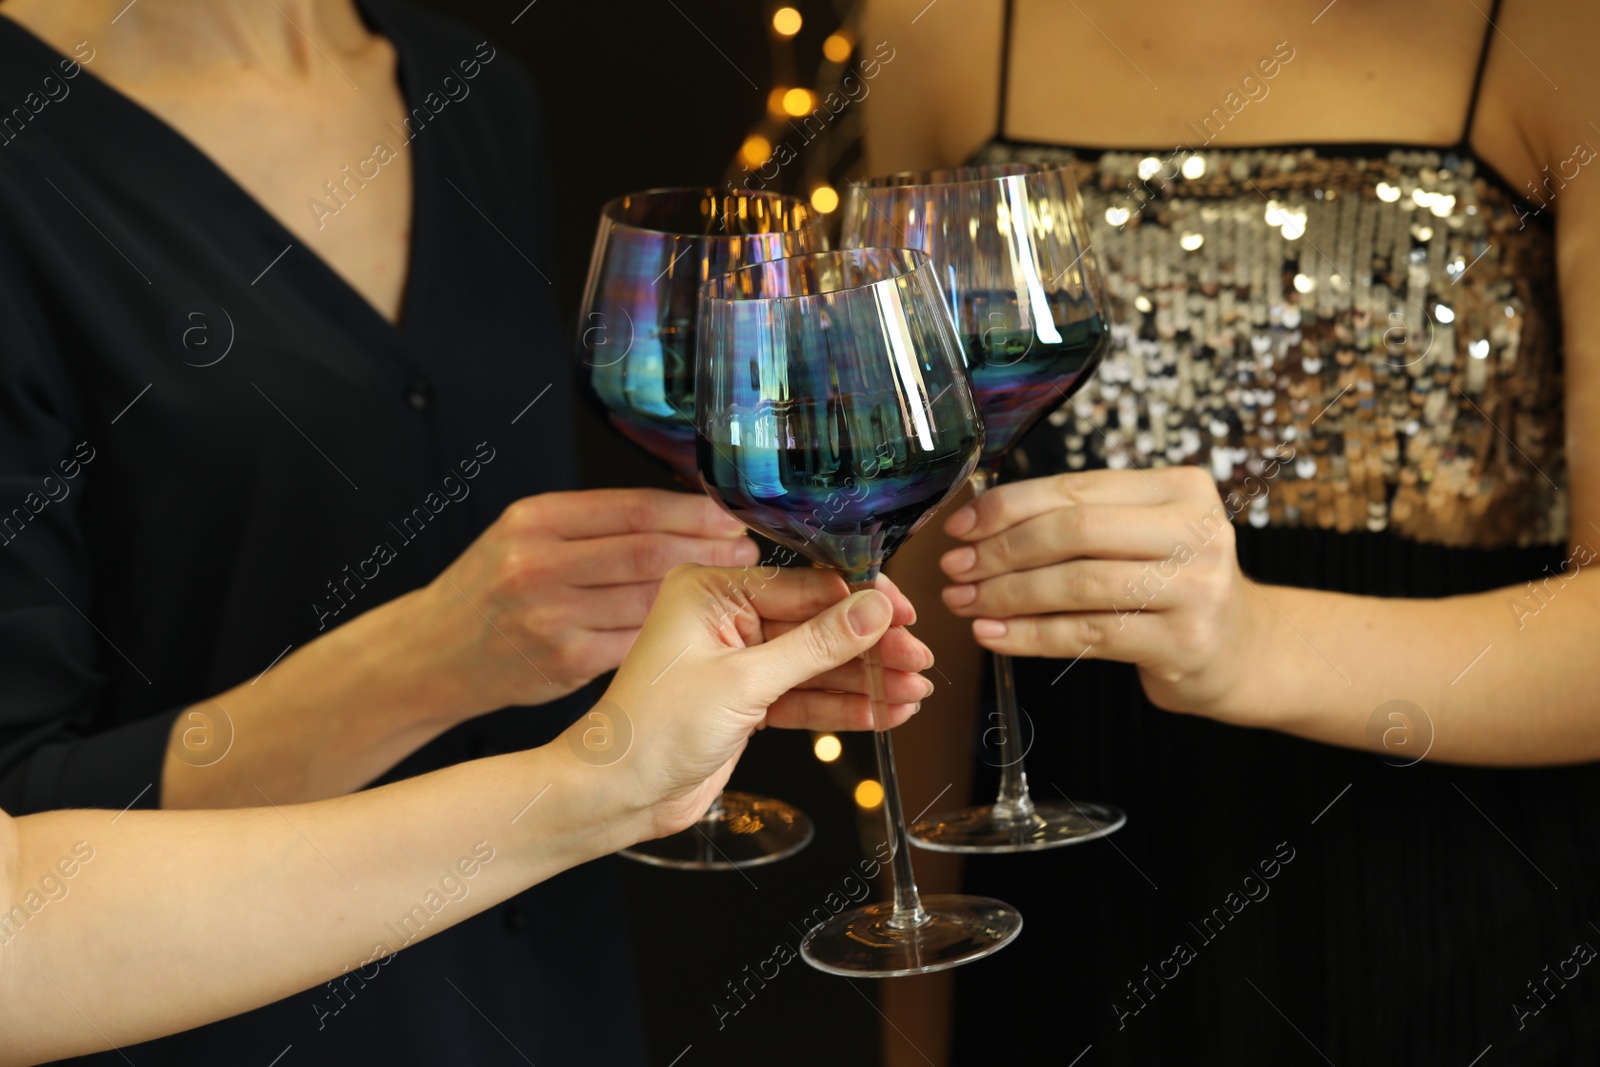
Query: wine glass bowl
(835, 417)
(637, 326)
(832, 439)
(1016, 272)
(1018, 277)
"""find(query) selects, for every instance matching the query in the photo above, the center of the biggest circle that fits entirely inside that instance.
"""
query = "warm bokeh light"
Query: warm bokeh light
(786, 20)
(827, 748)
(799, 102)
(755, 150)
(775, 100)
(837, 47)
(824, 198)
(869, 794)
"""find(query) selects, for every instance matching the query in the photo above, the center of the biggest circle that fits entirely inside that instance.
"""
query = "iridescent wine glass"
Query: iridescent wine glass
(636, 346)
(1019, 279)
(636, 325)
(835, 418)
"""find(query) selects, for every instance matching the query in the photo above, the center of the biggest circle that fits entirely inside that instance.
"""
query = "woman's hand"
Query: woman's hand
(726, 652)
(552, 594)
(1137, 566)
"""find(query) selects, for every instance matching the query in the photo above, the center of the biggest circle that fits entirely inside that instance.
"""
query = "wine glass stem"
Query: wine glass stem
(908, 912)
(716, 812)
(1012, 801)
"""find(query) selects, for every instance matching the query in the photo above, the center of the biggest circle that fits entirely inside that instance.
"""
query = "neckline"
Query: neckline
(1482, 168)
(280, 235)
(1321, 148)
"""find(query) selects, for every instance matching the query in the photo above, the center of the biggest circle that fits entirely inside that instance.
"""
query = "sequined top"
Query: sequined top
(1346, 341)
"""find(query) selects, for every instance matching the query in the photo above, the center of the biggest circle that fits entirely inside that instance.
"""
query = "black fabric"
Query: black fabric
(1005, 70)
(168, 528)
(1418, 903)
(1477, 75)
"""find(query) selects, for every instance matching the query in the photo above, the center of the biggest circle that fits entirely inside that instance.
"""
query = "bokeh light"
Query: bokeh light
(869, 794)
(825, 198)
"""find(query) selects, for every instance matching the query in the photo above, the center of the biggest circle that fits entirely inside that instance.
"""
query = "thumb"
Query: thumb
(831, 639)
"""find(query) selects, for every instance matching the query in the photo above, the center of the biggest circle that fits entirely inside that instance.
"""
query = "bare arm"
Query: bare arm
(139, 957)
(117, 928)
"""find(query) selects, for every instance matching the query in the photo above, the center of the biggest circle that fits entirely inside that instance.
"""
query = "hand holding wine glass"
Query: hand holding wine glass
(1135, 566)
(552, 594)
(755, 646)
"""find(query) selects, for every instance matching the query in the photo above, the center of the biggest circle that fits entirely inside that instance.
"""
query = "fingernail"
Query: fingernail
(868, 613)
(988, 628)
(959, 596)
(927, 688)
(746, 551)
(959, 560)
(961, 522)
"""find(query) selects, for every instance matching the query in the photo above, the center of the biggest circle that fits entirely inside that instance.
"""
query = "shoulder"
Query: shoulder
(938, 102)
(1540, 95)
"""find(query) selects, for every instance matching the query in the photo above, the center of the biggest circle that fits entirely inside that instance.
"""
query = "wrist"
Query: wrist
(594, 787)
(1268, 662)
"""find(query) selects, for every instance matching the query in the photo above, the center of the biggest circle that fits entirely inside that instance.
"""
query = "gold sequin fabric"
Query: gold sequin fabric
(1348, 342)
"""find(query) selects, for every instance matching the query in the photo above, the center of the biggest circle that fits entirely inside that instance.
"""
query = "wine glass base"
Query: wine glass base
(1053, 824)
(862, 942)
(750, 831)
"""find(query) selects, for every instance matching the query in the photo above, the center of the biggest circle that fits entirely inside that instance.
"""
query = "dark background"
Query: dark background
(636, 97)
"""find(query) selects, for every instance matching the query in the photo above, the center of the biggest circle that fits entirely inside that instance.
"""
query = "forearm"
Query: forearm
(327, 720)
(147, 935)
(1497, 684)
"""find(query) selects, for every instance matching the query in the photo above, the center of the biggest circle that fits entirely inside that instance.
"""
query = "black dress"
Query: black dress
(1382, 319)
(205, 437)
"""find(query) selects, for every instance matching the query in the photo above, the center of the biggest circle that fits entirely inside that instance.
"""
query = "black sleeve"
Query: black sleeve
(55, 748)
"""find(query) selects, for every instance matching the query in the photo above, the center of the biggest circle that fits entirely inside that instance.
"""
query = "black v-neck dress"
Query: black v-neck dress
(205, 437)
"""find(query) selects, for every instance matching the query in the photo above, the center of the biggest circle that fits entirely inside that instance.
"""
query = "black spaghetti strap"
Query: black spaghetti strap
(1005, 72)
(1477, 78)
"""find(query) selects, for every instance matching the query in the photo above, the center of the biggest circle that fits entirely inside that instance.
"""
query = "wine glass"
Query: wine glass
(835, 417)
(1019, 280)
(636, 344)
(636, 329)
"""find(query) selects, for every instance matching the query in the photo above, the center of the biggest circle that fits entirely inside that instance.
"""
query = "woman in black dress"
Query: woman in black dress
(1349, 252)
(287, 480)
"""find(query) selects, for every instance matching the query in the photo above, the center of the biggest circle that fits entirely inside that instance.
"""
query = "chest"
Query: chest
(328, 161)
(1153, 76)
(1347, 342)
